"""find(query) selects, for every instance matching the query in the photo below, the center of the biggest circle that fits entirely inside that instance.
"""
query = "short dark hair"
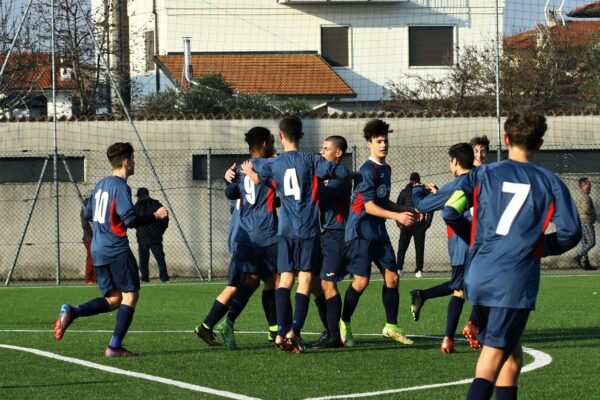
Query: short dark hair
(291, 127)
(463, 152)
(376, 127)
(525, 128)
(339, 142)
(256, 136)
(117, 152)
(582, 180)
(482, 140)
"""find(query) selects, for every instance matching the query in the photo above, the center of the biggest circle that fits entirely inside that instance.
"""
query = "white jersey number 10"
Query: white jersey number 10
(101, 206)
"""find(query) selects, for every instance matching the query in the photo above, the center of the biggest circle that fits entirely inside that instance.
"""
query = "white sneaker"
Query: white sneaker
(418, 274)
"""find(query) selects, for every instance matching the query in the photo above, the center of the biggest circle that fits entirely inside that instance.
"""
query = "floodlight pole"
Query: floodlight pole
(54, 137)
(498, 116)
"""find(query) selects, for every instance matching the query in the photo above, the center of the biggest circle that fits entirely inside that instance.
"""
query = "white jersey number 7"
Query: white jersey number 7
(520, 191)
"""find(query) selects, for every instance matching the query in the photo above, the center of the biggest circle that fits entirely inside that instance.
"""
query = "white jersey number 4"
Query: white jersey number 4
(290, 184)
(520, 191)
(101, 206)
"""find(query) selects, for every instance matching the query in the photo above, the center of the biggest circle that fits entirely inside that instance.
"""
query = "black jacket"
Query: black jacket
(151, 233)
(405, 199)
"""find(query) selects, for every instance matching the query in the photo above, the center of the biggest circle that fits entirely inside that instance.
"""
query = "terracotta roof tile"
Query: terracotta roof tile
(289, 74)
(587, 11)
(572, 34)
(32, 70)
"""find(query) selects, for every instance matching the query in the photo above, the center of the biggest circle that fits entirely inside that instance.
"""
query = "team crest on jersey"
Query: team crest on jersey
(382, 191)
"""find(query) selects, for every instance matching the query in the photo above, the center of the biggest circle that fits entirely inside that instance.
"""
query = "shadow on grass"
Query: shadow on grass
(59, 384)
(566, 335)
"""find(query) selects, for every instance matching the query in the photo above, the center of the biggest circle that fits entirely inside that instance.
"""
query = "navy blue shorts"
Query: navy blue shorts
(299, 255)
(234, 277)
(333, 249)
(122, 274)
(261, 261)
(361, 253)
(501, 327)
(457, 281)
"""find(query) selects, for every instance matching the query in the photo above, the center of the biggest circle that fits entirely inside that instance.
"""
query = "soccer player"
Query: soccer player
(255, 247)
(366, 236)
(334, 202)
(111, 211)
(481, 148)
(513, 203)
(295, 175)
(429, 199)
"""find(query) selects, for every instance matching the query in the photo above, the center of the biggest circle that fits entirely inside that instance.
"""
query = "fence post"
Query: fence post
(210, 209)
(354, 158)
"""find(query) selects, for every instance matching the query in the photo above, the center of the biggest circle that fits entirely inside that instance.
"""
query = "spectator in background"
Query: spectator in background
(587, 213)
(417, 230)
(90, 272)
(150, 237)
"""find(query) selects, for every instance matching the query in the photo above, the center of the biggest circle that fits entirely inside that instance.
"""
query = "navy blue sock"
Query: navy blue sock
(334, 311)
(217, 311)
(351, 299)
(481, 389)
(302, 302)
(474, 319)
(322, 308)
(506, 393)
(284, 310)
(441, 290)
(268, 303)
(92, 307)
(455, 306)
(124, 318)
(391, 302)
(242, 295)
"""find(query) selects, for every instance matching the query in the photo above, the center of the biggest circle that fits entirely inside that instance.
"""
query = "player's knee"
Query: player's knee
(329, 289)
(130, 298)
(252, 281)
(269, 283)
(360, 283)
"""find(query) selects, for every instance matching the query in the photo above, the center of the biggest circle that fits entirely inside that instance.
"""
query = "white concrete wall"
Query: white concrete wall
(378, 31)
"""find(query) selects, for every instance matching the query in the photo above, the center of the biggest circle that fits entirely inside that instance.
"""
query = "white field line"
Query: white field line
(139, 375)
(188, 332)
(540, 360)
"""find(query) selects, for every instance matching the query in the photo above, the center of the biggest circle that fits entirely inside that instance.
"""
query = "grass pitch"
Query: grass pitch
(565, 326)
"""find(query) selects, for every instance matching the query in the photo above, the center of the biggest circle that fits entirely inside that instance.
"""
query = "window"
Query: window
(28, 169)
(430, 46)
(149, 43)
(334, 45)
(219, 163)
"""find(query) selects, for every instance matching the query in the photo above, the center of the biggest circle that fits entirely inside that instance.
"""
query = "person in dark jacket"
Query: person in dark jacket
(417, 230)
(90, 272)
(150, 237)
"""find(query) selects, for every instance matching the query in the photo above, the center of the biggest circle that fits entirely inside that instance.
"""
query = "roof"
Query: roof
(289, 74)
(32, 70)
(591, 10)
(572, 34)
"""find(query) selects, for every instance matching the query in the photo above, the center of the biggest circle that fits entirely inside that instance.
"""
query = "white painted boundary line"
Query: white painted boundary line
(540, 360)
(139, 375)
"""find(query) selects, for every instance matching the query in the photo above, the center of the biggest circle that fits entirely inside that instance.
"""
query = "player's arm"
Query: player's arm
(406, 218)
(264, 175)
(232, 190)
(454, 215)
(427, 201)
(326, 169)
(567, 222)
(230, 173)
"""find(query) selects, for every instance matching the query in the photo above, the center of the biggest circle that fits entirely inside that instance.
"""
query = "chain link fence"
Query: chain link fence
(192, 180)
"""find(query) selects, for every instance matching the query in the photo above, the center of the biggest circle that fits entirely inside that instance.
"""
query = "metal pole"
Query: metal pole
(37, 193)
(54, 134)
(143, 148)
(354, 158)
(498, 117)
(210, 207)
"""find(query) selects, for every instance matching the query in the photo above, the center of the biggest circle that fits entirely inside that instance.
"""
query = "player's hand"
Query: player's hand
(161, 213)
(230, 173)
(247, 167)
(432, 187)
(406, 218)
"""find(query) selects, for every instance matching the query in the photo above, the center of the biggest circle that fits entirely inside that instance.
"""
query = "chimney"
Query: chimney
(188, 71)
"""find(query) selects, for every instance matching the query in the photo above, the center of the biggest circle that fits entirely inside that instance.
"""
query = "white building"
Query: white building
(366, 43)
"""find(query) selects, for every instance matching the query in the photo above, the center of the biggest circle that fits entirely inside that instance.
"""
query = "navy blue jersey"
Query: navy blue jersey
(111, 211)
(373, 183)
(234, 225)
(295, 175)
(334, 203)
(258, 219)
(425, 202)
(513, 203)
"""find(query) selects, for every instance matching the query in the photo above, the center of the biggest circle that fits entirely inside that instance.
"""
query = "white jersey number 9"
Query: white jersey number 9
(290, 184)
(520, 191)
(250, 189)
